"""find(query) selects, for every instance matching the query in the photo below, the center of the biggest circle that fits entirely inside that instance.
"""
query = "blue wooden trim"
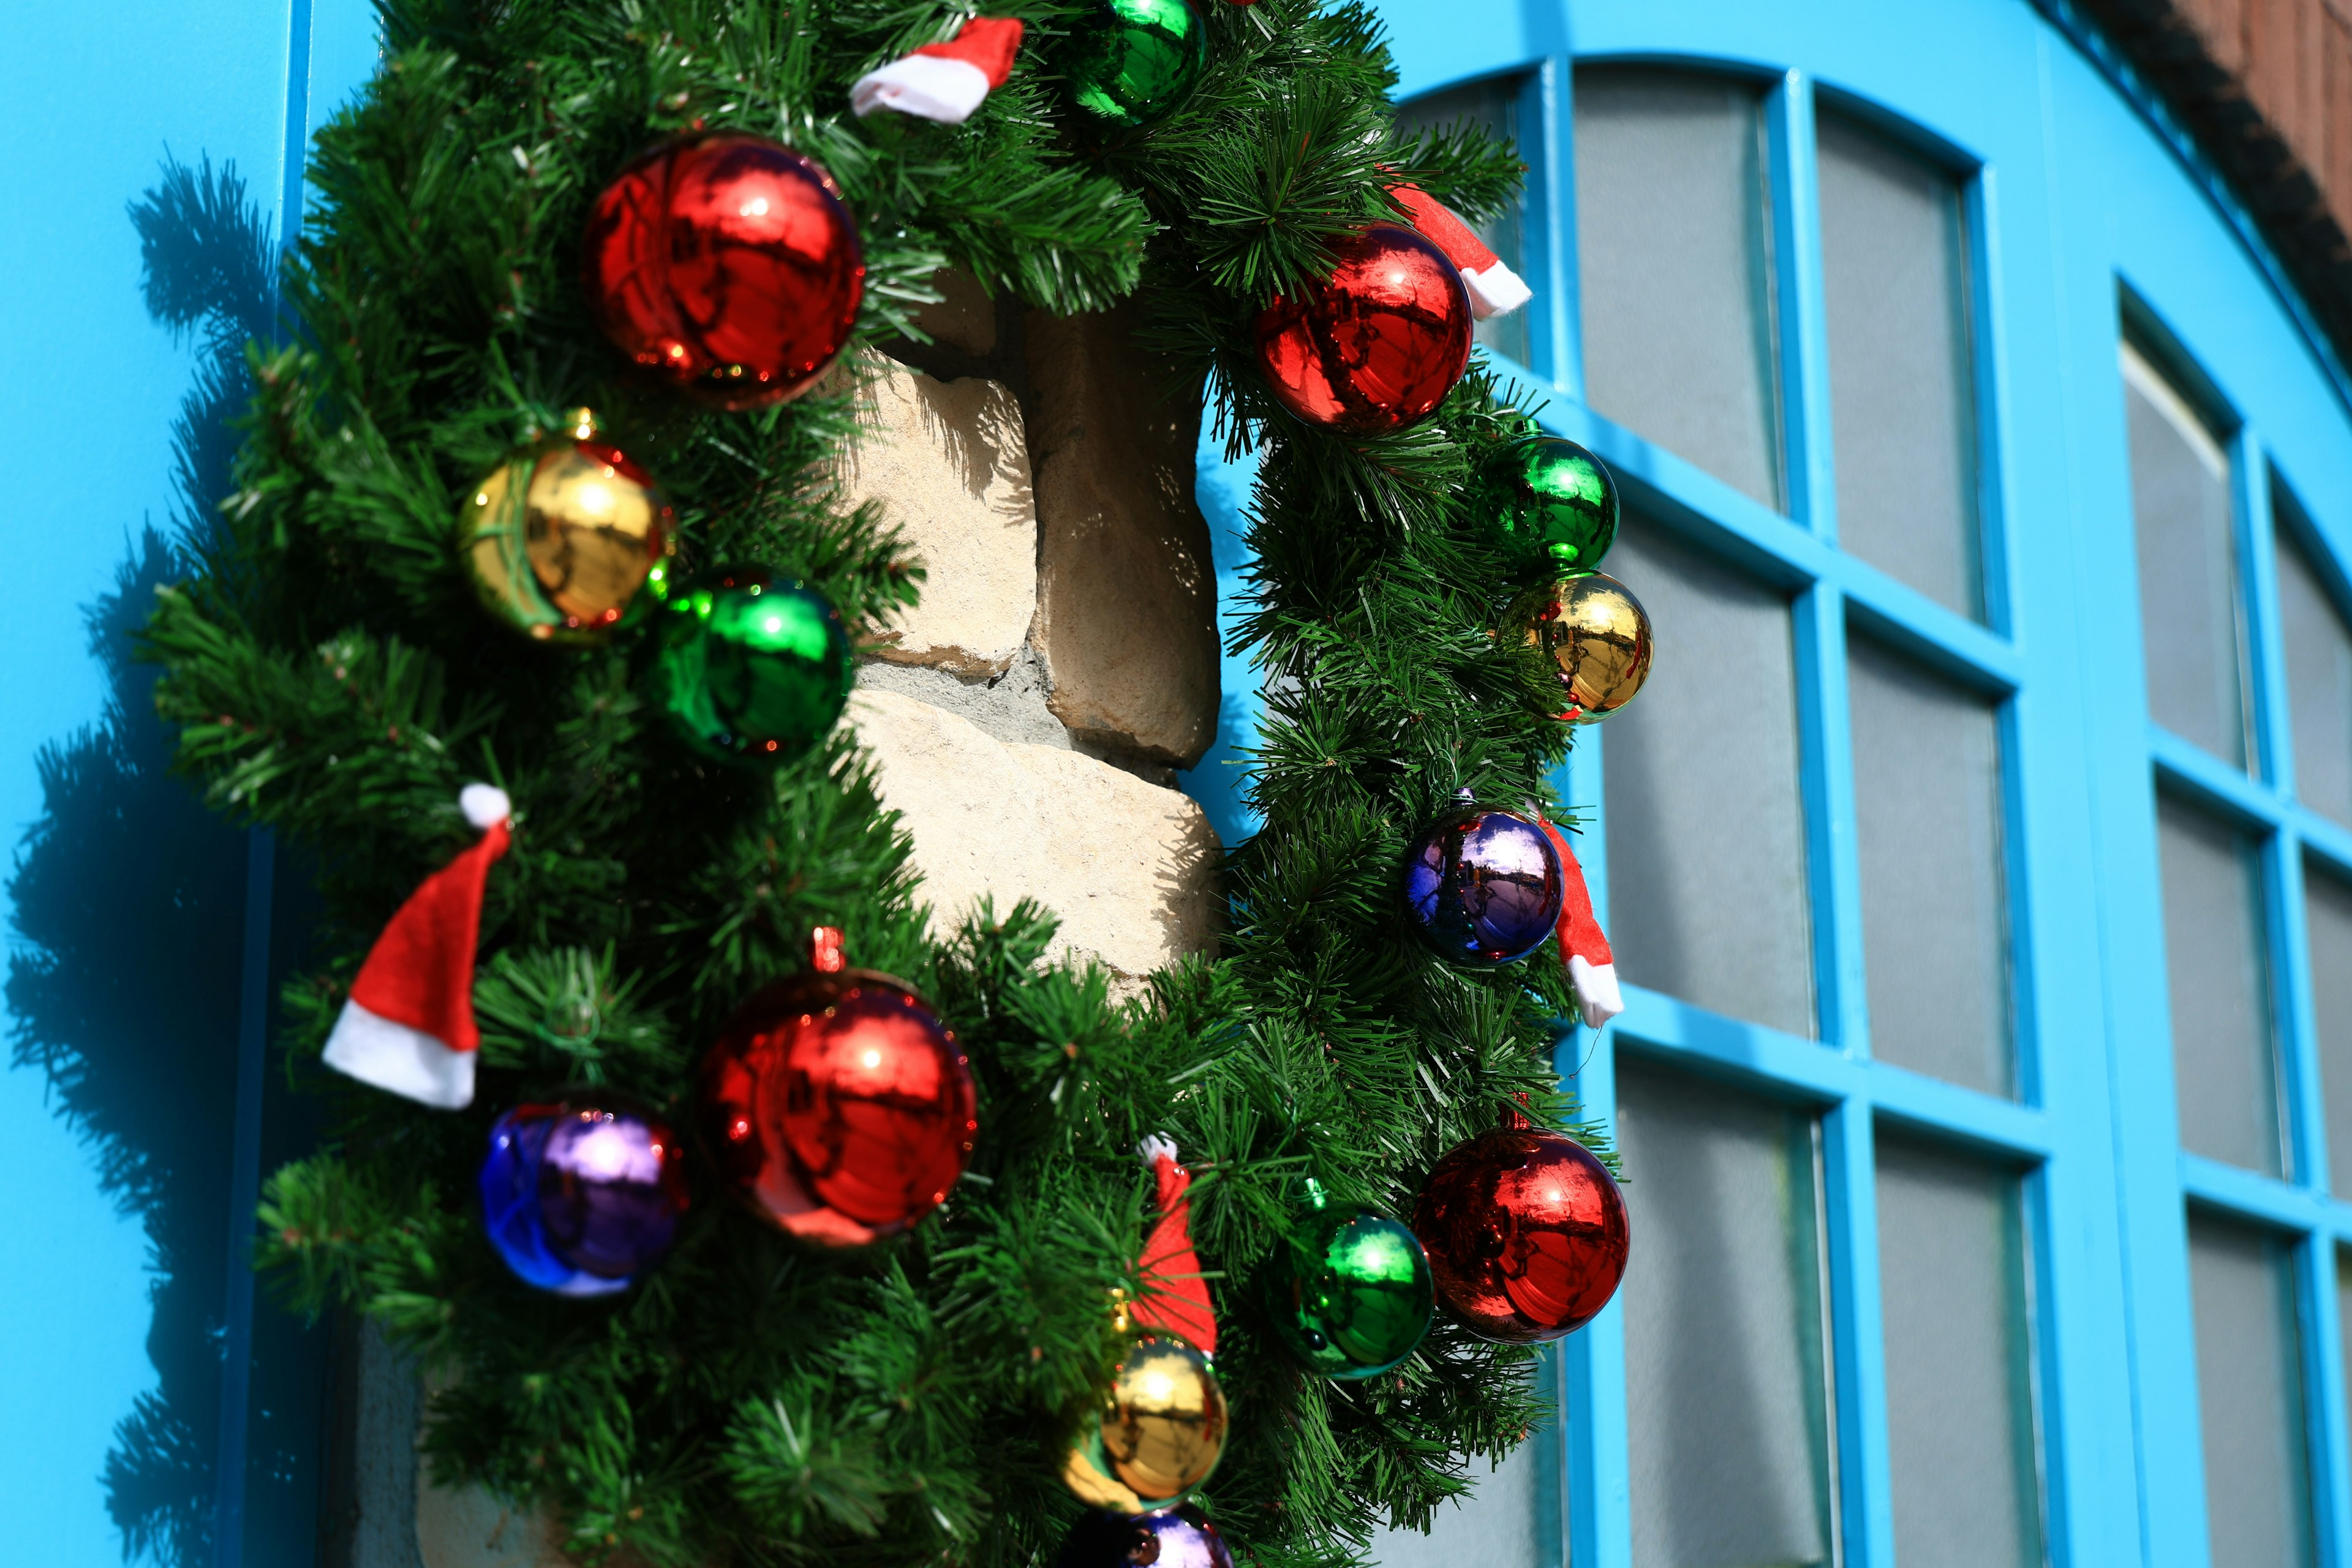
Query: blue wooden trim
(1549, 228)
(2250, 1194)
(2196, 773)
(2295, 1027)
(1832, 859)
(2000, 1127)
(2323, 1398)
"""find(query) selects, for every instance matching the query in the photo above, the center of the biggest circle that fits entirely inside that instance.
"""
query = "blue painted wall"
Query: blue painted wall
(126, 907)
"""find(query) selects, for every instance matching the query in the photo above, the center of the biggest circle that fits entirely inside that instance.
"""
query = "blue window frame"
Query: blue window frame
(2037, 1161)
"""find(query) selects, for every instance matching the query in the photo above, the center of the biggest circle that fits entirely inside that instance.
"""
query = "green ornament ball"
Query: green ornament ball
(1558, 503)
(750, 667)
(1131, 61)
(1351, 1289)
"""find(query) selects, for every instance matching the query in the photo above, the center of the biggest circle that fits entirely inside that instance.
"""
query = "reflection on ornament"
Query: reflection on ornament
(559, 539)
(1172, 1538)
(1349, 1289)
(1378, 345)
(839, 1105)
(1482, 888)
(581, 1198)
(1130, 62)
(1527, 1234)
(1155, 1433)
(1558, 504)
(1596, 634)
(726, 264)
(750, 669)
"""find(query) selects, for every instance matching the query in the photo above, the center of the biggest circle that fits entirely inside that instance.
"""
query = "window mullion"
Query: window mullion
(1865, 1497)
(2323, 1397)
(1547, 117)
(2266, 705)
(1833, 866)
(2305, 1114)
(1803, 333)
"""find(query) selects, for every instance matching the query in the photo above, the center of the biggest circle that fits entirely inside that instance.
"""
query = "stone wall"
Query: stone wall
(1025, 721)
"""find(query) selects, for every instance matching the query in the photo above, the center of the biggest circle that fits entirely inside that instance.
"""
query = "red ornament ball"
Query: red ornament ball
(727, 265)
(839, 1106)
(1526, 1233)
(1378, 346)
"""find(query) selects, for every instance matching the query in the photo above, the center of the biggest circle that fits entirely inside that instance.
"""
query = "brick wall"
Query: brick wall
(2265, 86)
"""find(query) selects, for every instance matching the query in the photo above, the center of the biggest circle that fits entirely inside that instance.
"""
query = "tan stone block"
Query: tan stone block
(1130, 867)
(950, 466)
(1127, 597)
(965, 318)
(467, 1527)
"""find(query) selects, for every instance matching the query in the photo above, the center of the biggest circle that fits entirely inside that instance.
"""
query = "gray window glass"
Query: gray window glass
(1894, 284)
(1673, 228)
(1727, 1387)
(2249, 1396)
(1499, 1525)
(1927, 824)
(2192, 628)
(2318, 645)
(2217, 971)
(2328, 926)
(1960, 1402)
(1707, 843)
(1493, 106)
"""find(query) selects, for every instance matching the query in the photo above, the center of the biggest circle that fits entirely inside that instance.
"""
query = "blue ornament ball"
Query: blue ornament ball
(1482, 888)
(1172, 1538)
(581, 1198)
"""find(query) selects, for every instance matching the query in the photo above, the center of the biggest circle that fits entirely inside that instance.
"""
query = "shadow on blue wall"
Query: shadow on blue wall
(124, 977)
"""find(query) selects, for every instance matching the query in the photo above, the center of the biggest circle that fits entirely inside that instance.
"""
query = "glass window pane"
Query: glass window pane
(2191, 629)
(2327, 928)
(1724, 1370)
(1894, 284)
(2217, 969)
(1960, 1403)
(1928, 824)
(1493, 106)
(1495, 1527)
(2249, 1396)
(1675, 250)
(2318, 646)
(1706, 839)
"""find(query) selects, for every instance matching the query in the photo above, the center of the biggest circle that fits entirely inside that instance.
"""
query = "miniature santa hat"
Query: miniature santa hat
(409, 1025)
(1495, 289)
(1176, 1299)
(1591, 967)
(943, 81)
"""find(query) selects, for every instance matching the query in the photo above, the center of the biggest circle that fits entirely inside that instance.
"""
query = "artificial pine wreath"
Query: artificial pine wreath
(748, 1398)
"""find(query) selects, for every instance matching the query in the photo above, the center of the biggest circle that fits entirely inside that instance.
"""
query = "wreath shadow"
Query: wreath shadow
(125, 968)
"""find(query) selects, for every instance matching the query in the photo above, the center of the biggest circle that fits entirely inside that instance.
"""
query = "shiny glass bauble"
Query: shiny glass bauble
(1156, 1432)
(581, 1198)
(840, 1107)
(750, 667)
(1172, 1538)
(1130, 62)
(1378, 345)
(1597, 636)
(559, 540)
(1349, 1289)
(1482, 888)
(726, 264)
(1527, 1234)
(1556, 504)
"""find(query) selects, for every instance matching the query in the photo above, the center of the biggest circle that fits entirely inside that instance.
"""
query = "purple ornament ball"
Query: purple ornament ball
(1482, 888)
(581, 1198)
(1172, 1538)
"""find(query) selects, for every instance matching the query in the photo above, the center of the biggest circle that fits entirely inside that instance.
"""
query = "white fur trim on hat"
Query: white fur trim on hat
(1596, 991)
(484, 806)
(1496, 291)
(929, 86)
(373, 1049)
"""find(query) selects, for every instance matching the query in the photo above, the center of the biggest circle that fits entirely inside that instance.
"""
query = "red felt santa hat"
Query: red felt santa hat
(409, 1025)
(1175, 1296)
(943, 81)
(1591, 967)
(1495, 289)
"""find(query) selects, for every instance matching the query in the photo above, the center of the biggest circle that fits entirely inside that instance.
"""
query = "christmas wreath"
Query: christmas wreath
(530, 618)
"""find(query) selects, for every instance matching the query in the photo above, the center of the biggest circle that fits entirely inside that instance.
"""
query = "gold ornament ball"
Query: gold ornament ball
(559, 538)
(1156, 1432)
(1597, 636)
